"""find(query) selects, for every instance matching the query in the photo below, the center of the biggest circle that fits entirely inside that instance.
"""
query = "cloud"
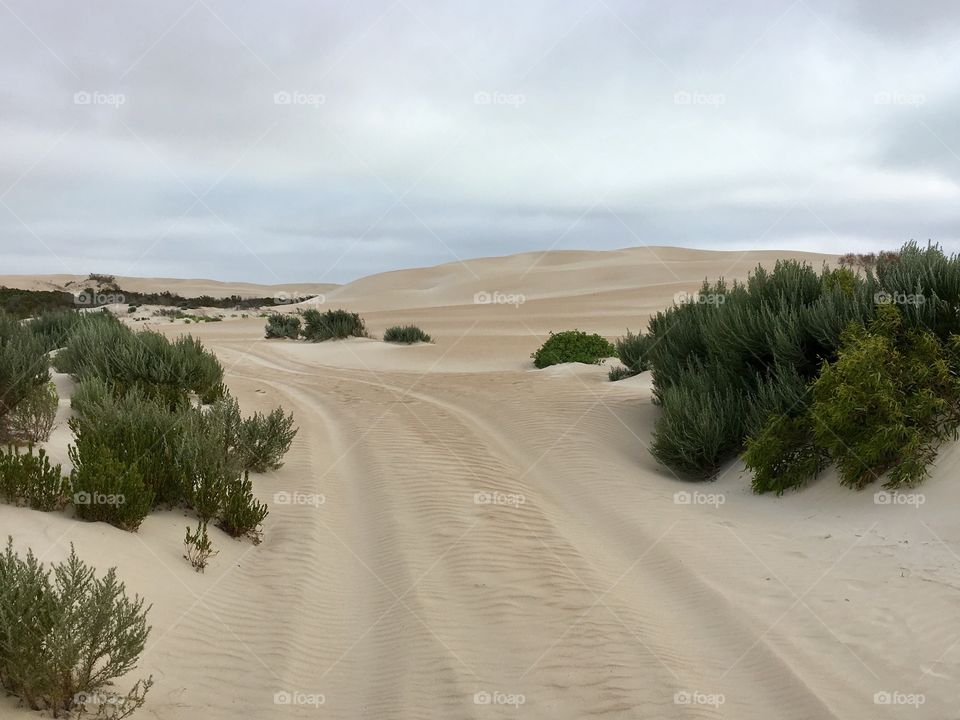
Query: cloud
(307, 142)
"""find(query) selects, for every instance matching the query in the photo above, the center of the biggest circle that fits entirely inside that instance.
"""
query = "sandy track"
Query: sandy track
(404, 594)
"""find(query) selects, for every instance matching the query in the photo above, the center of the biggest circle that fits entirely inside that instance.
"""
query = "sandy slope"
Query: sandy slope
(591, 592)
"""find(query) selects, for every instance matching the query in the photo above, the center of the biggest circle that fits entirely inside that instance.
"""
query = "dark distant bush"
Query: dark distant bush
(632, 351)
(283, 326)
(66, 635)
(573, 346)
(407, 334)
(332, 325)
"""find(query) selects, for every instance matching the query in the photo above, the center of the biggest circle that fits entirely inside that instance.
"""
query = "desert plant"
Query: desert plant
(64, 639)
(332, 325)
(107, 489)
(280, 325)
(242, 514)
(573, 346)
(407, 334)
(783, 454)
(197, 547)
(263, 440)
(54, 327)
(632, 351)
(619, 372)
(28, 479)
(31, 420)
(24, 364)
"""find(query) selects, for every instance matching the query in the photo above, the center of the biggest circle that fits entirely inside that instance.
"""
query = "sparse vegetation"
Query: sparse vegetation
(619, 372)
(66, 635)
(573, 346)
(332, 325)
(197, 547)
(632, 351)
(407, 334)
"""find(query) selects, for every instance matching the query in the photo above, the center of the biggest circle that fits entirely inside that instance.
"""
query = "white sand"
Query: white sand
(598, 596)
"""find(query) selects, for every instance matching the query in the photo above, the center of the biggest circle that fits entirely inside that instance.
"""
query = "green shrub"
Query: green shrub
(263, 440)
(332, 325)
(31, 420)
(632, 351)
(107, 489)
(407, 334)
(28, 479)
(24, 365)
(573, 346)
(784, 455)
(54, 327)
(618, 372)
(64, 639)
(242, 514)
(197, 547)
(280, 325)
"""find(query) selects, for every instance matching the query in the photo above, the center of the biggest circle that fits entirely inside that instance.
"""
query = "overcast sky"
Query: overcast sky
(322, 141)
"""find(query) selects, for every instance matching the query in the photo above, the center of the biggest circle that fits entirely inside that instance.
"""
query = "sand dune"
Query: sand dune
(472, 529)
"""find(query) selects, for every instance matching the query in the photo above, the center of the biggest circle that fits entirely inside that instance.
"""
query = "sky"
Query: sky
(321, 141)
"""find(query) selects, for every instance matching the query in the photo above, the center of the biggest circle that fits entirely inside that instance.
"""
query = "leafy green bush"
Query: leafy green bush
(54, 327)
(573, 346)
(242, 514)
(407, 334)
(65, 638)
(28, 479)
(632, 351)
(24, 365)
(107, 489)
(31, 420)
(280, 325)
(784, 454)
(263, 440)
(332, 325)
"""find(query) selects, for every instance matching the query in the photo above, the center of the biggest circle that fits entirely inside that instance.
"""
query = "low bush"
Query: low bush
(31, 420)
(197, 547)
(407, 334)
(263, 440)
(66, 635)
(280, 325)
(632, 351)
(54, 327)
(24, 365)
(28, 479)
(619, 372)
(332, 325)
(242, 514)
(573, 346)
(107, 489)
